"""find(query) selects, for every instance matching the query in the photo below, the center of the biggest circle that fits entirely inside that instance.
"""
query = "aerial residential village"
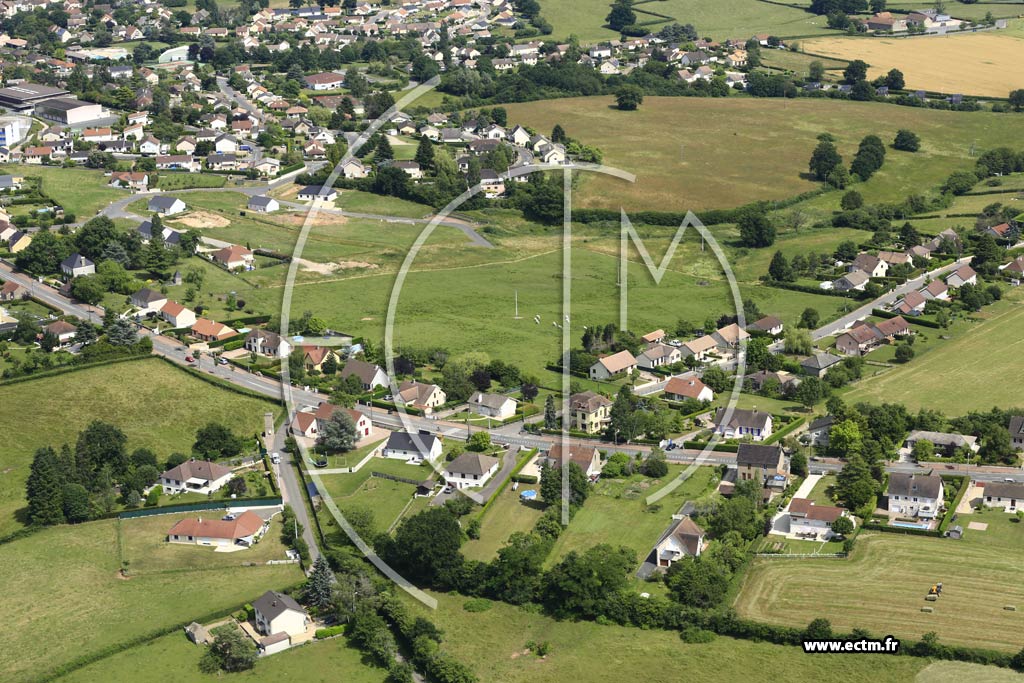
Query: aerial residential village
(157, 161)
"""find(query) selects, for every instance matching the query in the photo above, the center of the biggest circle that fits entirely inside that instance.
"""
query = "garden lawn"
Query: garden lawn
(616, 512)
(80, 191)
(145, 548)
(156, 405)
(493, 644)
(174, 658)
(506, 515)
(692, 153)
(64, 589)
(974, 370)
(385, 498)
(820, 492)
(883, 584)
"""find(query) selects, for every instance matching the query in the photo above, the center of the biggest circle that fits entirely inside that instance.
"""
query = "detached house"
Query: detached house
(470, 469)
(685, 539)
(588, 458)
(683, 388)
(210, 330)
(609, 366)
(370, 376)
(1017, 432)
(413, 448)
(1005, 495)
(498, 406)
(276, 613)
(195, 476)
(755, 424)
(425, 397)
(808, 520)
(589, 412)
(964, 275)
(658, 355)
(914, 495)
(77, 265)
(764, 464)
(267, 343)
(235, 257)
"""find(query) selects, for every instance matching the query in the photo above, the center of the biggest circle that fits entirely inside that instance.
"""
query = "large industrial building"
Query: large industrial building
(68, 111)
(25, 96)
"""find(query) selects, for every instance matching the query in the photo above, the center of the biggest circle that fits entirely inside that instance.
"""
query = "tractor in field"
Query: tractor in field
(934, 592)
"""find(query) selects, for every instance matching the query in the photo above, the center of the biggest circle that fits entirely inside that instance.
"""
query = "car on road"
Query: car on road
(190, 359)
(275, 458)
(222, 361)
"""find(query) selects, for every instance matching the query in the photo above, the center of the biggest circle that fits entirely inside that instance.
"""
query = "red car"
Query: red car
(190, 359)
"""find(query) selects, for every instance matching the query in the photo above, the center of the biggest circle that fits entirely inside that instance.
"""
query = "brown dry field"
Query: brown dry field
(987, 64)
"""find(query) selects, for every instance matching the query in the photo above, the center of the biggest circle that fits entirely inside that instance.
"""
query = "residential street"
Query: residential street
(884, 300)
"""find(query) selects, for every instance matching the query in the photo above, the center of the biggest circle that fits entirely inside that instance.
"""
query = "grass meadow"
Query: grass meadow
(493, 643)
(720, 20)
(80, 191)
(157, 406)
(883, 584)
(64, 589)
(174, 658)
(704, 153)
(969, 371)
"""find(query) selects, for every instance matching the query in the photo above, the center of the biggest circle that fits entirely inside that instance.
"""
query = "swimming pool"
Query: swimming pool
(912, 525)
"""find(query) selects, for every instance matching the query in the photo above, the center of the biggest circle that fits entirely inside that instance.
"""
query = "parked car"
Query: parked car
(190, 359)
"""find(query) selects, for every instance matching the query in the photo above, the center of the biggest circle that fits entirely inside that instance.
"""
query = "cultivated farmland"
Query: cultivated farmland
(987, 64)
(883, 584)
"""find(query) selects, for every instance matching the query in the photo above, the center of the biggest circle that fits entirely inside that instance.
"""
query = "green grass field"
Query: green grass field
(970, 371)
(702, 153)
(60, 579)
(174, 658)
(720, 20)
(157, 406)
(616, 512)
(883, 584)
(183, 181)
(80, 191)
(385, 498)
(506, 515)
(494, 644)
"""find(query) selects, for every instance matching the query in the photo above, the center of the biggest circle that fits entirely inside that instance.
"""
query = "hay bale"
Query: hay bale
(927, 609)
(1010, 608)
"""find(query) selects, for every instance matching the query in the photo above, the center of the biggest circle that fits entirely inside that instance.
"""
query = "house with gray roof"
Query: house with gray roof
(470, 469)
(498, 406)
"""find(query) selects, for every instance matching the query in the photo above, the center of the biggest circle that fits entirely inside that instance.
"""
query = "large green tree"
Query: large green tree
(44, 489)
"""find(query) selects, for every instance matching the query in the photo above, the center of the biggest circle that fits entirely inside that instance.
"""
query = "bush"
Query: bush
(694, 635)
(524, 478)
(330, 631)
(477, 605)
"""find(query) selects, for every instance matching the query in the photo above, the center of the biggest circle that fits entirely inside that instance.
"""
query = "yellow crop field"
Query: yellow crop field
(985, 64)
